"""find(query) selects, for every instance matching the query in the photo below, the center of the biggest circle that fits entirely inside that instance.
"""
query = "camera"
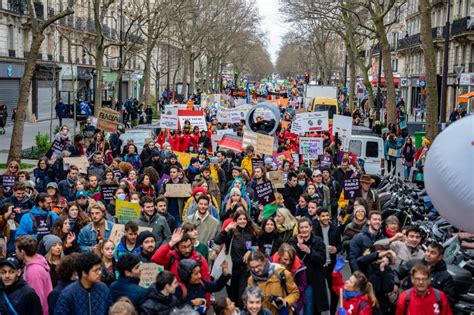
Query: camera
(278, 301)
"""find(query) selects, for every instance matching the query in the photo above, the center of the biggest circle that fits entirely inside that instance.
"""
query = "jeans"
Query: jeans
(391, 164)
(406, 172)
(309, 305)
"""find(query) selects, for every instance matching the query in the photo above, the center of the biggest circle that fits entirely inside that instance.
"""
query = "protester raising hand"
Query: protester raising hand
(176, 237)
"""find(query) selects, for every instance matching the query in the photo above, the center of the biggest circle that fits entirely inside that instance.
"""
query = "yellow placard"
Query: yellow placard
(126, 211)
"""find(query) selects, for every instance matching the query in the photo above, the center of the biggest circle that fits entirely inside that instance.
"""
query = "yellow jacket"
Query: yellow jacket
(247, 164)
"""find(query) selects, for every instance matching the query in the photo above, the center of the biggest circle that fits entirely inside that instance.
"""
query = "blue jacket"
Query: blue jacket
(121, 249)
(75, 300)
(42, 178)
(66, 188)
(128, 286)
(28, 227)
(359, 243)
(133, 159)
(88, 236)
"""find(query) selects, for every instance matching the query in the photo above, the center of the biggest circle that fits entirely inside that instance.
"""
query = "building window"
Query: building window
(11, 37)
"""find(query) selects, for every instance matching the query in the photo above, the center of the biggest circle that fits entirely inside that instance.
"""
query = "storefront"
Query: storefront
(10, 77)
(45, 87)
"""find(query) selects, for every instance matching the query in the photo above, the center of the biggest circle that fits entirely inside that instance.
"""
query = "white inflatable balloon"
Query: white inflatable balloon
(449, 173)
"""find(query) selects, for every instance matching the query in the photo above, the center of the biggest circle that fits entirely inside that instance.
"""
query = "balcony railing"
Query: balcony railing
(459, 26)
(469, 66)
(438, 32)
(17, 6)
(80, 23)
(90, 26)
(410, 41)
(11, 53)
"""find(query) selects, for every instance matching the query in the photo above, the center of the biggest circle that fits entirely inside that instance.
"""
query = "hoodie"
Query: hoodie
(121, 249)
(27, 226)
(157, 303)
(36, 274)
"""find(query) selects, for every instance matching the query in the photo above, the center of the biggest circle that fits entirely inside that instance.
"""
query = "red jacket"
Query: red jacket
(163, 257)
(161, 139)
(352, 304)
(426, 305)
(175, 142)
(185, 141)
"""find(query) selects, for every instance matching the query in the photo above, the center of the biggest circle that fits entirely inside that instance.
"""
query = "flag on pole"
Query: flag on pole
(248, 94)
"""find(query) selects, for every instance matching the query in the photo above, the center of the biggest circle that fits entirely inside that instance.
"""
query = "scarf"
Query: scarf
(352, 294)
(268, 271)
(389, 233)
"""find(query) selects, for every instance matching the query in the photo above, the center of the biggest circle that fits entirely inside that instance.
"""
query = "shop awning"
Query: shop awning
(465, 97)
(375, 81)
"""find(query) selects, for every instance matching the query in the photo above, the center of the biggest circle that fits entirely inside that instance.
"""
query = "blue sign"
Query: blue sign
(422, 83)
(345, 90)
(9, 71)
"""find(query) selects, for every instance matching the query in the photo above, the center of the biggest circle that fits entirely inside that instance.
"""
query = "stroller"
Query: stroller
(3, 118)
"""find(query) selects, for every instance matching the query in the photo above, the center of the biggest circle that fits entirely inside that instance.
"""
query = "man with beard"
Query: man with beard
(212, 186)
(180, 247)
(98, 230)
(152, 219)
(67, 186)
(147, 242)
(40, 220)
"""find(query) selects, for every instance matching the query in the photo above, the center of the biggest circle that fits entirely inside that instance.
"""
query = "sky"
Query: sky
(272, 25)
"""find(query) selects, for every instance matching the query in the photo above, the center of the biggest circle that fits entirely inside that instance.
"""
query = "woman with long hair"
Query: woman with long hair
(98, 144)
(43, 174)
(235, 198)
(408, 154)
(62, 229)
(302, 206)
(77, 218)
(132, 178)
(268, 240)
(58, 201)
(145, 187)
(286, 224)
(239, 236)
(105, 250)
(240, 185)
(54, 252)
(12, 169)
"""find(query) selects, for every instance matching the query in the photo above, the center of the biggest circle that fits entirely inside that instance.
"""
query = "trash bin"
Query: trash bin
(419, 135)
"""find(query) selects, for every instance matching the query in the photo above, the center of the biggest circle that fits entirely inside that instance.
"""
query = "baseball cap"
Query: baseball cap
(52, 185)
(11, 261)
(317, 173)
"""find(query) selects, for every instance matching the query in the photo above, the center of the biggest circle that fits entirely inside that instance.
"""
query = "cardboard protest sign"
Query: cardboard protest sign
(325, 161)
(312, 121)
(169, 121)
(228, 131)
(148, 273)
(179, 190)
(262, 144)
(276, 177)
(108, 119)
(195, 117)
(56, 147)
(278, 158)
(118, 230)
(342, 125)
(81, 162)
(351, 188)
(311, 147)
(257, 163)
(265, 194)
(108, 191)
(8, 181)
(126, 211)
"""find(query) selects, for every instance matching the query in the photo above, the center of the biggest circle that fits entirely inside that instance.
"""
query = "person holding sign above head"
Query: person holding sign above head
(95, 232)
(152, 219)
(175, 204)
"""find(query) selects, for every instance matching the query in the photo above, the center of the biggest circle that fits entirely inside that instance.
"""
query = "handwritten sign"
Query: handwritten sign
(179, 190)
(169, 121)
(8, 181)
(148, 273)
(118, 230)
(108, 119)
(263, 144)
(126, 211)
(342, 125)
(311, 147)
(257, 163)
(56, 147)
(325, 161)
(108, 191)
(278, 158)
(277, 179)
(81, 162)
(265, 194)
(351, 188)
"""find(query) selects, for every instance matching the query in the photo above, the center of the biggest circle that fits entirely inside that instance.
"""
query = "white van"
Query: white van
(371, 150)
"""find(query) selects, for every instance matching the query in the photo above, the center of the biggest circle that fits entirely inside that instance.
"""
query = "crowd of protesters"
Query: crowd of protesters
(282, 257)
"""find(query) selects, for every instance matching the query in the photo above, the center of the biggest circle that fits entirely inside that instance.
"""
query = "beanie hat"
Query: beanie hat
(49, 240)
(359, 208)
(144, 235)
(235, 192)
(199, 189)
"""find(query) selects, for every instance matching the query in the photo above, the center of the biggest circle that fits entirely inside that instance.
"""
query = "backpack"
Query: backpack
(46, 230)
(437, 295)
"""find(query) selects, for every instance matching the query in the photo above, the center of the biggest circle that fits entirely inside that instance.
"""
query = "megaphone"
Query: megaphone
(263, 118)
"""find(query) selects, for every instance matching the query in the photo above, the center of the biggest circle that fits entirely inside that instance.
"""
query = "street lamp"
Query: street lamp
(444, 82)
(459, 70)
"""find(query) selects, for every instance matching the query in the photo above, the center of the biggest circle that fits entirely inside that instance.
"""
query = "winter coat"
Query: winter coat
(239, 241)
(121, 249)
(36, 274)
(373, 202)
(128, 286)
(272, 286)
(97, 169)
(22, 297)
(159, 227)
(360, 243)
(54, 295)
(169, 259)
(158, 304)
(133, 159)
(42, 178)
(67, 189)
(170, 220)
(179, 201)
(408, 154)
(28, 227)
(268, 243)
(426, 305)
(75, 300)
(207, 227)
(291, 196)
(359, 305)
(88, 236)
(441, 279)
(25, 205)
(314, 262)
(190, 208)
(334, 236)
(390, 145)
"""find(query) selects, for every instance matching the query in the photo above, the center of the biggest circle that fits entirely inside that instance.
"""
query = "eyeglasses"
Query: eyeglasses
(14, 166)
(420, 279)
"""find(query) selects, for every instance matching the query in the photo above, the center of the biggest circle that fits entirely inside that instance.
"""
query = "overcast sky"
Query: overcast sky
(272, 24)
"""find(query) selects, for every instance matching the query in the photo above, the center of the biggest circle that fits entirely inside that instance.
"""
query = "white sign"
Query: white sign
(169, 121)
(195, 121)
(311, 147)
(312, 121)
(229, 131)
(343, 126)
(467, 79)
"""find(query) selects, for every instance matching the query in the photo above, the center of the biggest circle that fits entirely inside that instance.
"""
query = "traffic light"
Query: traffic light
(306, 78)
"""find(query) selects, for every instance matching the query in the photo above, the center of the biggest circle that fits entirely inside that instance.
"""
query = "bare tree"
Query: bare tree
(37, 27)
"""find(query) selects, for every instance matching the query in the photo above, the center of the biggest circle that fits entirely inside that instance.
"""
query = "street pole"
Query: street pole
(444, 84)
(345, 70)
(168, 72)
(120, 59)
(379, 83)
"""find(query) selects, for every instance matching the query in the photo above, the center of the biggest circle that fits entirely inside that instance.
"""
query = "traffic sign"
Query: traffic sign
(345, 90)
(422, 83)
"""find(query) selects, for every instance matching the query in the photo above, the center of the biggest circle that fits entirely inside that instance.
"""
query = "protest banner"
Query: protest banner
(265, 194)
(195, 117)
(108, 191)
(257, 162)
(351, 188)
(8, 181)
(296, 159)
(148, 273)
(108, 119)
(118, 230)
(276, 177)
(311, 147)
(228, 131)
(231, 142)
(278, 158)
(342, 125)
(352, 157)
(126, 211)
(185, 158)
(262, 144)
(56, 147)
(162, 179)
(179, 190)
(325, 161)
(169, 121)
(311, 121)
(81, 162)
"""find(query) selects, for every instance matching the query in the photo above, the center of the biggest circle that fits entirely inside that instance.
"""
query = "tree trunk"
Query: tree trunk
(16, 144)
(191, 73)
(184, 81)
(352, 83)
(147, 78)
(387, 70)
(430, 70)
(99, 79)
